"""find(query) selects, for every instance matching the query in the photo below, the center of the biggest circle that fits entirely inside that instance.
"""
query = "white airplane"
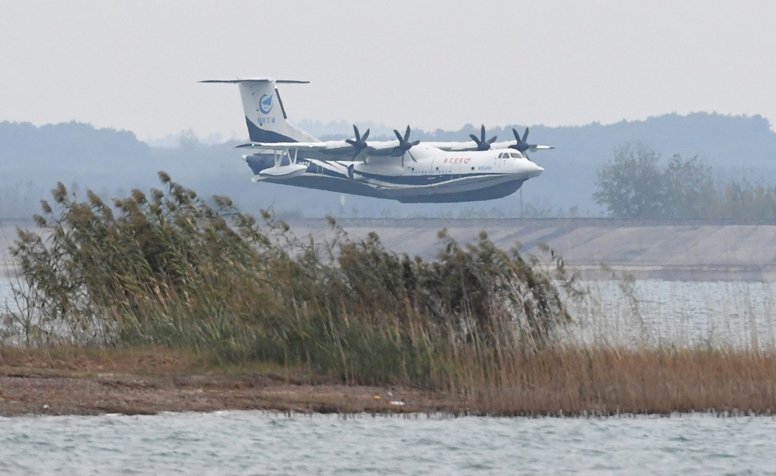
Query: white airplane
(403, 170)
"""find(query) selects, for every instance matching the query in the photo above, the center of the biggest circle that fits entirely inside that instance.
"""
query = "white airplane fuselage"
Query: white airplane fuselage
(434, 176)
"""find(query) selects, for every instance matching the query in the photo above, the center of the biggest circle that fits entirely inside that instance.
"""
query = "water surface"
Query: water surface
(739, 314)
(235, 442)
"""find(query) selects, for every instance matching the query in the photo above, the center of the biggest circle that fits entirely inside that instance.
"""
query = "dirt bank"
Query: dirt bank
(78, 382)
(29, 392)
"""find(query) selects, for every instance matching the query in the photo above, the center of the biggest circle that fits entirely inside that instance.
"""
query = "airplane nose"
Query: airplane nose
(534, 170)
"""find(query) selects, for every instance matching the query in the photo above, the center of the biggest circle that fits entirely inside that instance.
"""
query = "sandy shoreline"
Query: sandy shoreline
(37, 392)
(69, 381)
(97, 381)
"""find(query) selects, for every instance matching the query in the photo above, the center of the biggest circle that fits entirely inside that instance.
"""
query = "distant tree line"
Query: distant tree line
(634, 184)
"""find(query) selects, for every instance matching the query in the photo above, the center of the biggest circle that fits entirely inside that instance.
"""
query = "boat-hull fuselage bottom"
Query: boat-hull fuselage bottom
(404, 195)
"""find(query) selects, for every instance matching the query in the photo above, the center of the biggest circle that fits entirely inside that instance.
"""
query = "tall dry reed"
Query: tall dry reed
(169, 268)
(608, 381)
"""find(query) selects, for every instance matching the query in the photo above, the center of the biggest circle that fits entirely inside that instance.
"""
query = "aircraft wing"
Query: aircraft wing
(511, 143)
(520, 143)
(471, 146)
(454, 146)
(336, 150)
(349, 149)
(282, 145)
(383, 148)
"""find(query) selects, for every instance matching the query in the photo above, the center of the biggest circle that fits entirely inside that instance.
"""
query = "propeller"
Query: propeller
(404, 143)
(359, 143)
(521, 145)
(483, 144)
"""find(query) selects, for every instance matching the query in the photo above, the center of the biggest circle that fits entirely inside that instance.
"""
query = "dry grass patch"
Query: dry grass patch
(90, 360)
(578, 381)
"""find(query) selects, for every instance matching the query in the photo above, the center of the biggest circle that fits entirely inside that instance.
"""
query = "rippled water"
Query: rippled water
(257, 443)
(728, 313)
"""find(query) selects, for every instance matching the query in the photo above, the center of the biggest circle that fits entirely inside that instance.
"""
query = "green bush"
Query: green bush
(634, 185)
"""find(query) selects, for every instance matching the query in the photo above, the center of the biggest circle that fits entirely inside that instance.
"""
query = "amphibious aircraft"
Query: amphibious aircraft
(401, 169)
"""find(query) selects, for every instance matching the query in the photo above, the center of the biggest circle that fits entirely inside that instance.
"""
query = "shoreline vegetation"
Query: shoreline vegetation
(577, 382)
(168, 302)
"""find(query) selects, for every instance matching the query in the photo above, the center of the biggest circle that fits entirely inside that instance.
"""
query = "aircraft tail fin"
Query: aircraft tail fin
(265, 115)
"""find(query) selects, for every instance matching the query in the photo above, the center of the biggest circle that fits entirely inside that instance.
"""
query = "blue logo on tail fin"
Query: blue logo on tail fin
(265, 104)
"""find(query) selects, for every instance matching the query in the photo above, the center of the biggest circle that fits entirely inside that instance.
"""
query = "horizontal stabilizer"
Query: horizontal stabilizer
(255, 80)
(281, 145)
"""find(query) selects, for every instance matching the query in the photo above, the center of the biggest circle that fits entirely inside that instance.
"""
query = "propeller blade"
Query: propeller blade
(520, 144)
(492, 139)
(404, 143)
(482, 144)
(359, 143)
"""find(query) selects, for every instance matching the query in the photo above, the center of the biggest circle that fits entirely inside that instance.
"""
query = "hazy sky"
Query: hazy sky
(135, 65)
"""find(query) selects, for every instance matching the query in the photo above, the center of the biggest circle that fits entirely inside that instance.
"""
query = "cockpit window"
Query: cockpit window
(516, 155)
(503, 155)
